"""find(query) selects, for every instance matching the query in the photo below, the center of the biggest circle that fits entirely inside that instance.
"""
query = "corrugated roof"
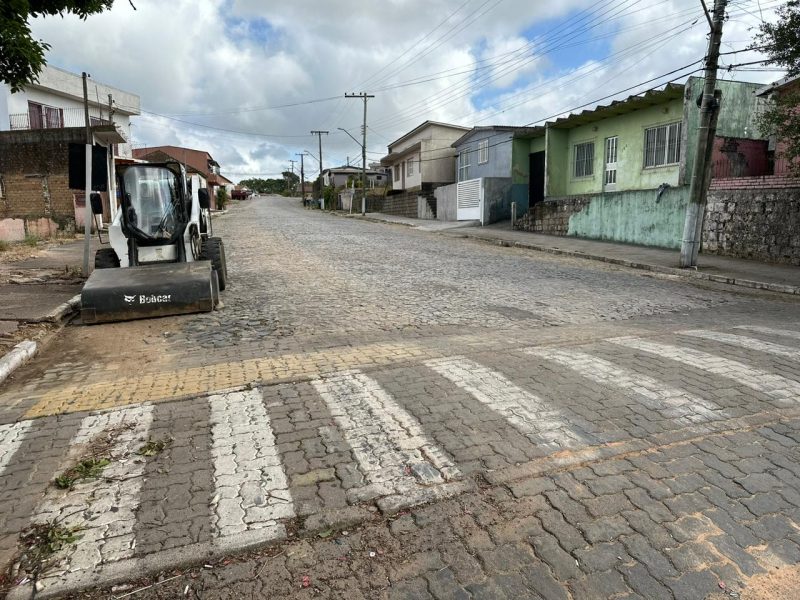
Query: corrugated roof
(512, 128)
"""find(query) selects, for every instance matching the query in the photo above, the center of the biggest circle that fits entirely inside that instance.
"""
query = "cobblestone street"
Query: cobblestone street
(382, 412)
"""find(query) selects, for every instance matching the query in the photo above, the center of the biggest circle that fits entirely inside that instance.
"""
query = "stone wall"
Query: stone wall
(401, 205)
(552, 216)
(754, 217)
(35, 198)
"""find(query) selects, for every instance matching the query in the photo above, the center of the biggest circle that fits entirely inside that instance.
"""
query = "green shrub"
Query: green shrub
(222, 198)
(32, 240)
(4, 245)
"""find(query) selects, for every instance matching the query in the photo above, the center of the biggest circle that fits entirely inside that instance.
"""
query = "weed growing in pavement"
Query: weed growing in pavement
(40, 542)
(153, 447)
(88, 468)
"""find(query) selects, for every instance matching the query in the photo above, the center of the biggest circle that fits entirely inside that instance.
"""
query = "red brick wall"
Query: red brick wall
(739, 157)
(756, 183)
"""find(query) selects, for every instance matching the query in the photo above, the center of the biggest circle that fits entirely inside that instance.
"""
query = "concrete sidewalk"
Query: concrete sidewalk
(721, 269)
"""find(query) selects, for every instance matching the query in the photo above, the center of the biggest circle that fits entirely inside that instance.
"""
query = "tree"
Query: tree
(22, 57)
(781, 42)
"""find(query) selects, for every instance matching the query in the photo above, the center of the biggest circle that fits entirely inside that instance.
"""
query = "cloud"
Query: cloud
(222, 63)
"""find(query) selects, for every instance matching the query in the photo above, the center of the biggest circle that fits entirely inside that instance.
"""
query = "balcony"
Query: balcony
(53, 118)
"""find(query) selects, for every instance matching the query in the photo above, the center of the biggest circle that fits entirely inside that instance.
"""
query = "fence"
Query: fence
(53, 118)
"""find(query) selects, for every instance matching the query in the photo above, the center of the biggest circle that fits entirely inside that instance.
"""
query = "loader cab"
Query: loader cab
(155, 210)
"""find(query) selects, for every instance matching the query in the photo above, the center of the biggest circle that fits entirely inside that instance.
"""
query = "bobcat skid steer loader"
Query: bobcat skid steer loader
(162, 260)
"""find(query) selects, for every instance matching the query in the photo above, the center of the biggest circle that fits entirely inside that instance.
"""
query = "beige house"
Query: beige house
(423, 159)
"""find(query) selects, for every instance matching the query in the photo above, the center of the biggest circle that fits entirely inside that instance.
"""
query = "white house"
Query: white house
(56, 101)
(339, 176)
(423, 158)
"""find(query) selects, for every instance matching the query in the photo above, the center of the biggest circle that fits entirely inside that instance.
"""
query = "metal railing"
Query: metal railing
(53, 118)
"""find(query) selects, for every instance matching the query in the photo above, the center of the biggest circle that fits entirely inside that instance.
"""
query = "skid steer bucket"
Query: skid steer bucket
(148, 291)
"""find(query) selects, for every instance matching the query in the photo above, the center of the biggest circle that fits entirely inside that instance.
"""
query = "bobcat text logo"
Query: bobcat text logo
(147, 299)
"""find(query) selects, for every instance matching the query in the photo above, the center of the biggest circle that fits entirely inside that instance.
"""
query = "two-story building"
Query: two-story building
(341, 176)
(420, 161)
(41, 126)
(621, 172)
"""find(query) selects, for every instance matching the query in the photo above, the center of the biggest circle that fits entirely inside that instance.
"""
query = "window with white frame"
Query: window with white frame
(397, 172)
(410, 166)
(584, 159)
(662, 145)
(463, 165)
(483, 152)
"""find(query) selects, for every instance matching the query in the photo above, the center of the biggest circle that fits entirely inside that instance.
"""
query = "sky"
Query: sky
(248, 80)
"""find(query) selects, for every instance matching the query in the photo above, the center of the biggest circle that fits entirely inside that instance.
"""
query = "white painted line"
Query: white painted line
(391, 449)
(252, 492)
(775, 386)
(11, 438)
(104, 508)
(673, 402)
(790, 333)
(745, 342)
(525, 411)
(16, 357)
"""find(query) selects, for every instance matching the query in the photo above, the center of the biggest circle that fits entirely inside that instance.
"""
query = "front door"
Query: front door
(610, 173)
(536, 178)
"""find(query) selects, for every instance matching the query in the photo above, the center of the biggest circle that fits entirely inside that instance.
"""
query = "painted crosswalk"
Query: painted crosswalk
(391, 449)
(366, 445)
(11, 438)
(786, 391)
(745, 342)
(674, 402)
(527, 412)
(790, 333)
(252, 490)
(102, 509)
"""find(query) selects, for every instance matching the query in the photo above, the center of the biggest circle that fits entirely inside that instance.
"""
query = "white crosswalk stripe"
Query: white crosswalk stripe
(392, 451)
(104, 508)
(252, 492)
(780, 388)
(11, 437)
(745, 342)
(528, 413)
(674, 402)
(790, 333)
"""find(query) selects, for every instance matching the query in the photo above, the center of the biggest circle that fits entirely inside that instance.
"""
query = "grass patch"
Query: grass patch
(31, 240)
(40, 542)
(4, 245)
(88, 468)
(153, 447)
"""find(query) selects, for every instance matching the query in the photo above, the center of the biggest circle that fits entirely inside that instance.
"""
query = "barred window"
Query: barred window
(662, 145)
(483, 151)
(584, 159)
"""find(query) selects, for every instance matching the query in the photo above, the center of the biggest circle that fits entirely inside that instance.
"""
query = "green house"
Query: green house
(621, 172)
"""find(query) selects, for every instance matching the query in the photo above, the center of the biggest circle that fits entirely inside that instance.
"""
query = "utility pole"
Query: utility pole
(319, 134)
(302, 177)
(87, 213)
(365, 97)
(292, 161)
(709, 109)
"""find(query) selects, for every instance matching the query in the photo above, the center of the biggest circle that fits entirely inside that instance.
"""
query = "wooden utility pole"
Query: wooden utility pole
(319, 134)
(87, 213)
(363, 149)
(292, 161)
(693, 226)
(302, 177)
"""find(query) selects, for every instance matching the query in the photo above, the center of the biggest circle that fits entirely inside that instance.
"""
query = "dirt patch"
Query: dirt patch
(780, 583)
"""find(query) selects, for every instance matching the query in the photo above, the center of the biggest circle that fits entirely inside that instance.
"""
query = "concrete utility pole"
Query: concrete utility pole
(365, 96)
(87, 213)
(292, 161)
(709, 108)
(112, 184)
(302, 177)
(319, 134)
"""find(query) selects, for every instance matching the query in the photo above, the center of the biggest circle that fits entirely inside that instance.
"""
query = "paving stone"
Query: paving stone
(605, 529)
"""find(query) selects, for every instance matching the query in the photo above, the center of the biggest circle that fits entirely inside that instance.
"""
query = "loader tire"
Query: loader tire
(214, 250)
(106, 258)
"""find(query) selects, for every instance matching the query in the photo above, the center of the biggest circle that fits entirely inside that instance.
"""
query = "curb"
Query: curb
(18, 356)
(748, 283)
(60, 312)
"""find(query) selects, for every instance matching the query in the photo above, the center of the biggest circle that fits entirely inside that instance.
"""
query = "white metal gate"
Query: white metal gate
(469, 200)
